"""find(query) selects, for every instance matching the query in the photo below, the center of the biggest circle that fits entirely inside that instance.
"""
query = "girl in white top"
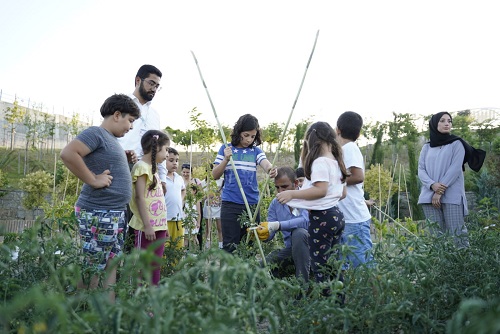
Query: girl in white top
(323, 187)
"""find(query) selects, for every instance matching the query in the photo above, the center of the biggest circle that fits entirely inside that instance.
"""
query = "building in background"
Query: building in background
(22, 122)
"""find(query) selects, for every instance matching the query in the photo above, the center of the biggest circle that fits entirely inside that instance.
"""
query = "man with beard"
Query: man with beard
(147, 84)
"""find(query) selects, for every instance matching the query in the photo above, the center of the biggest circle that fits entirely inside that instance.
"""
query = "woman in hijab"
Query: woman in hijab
(440, 169)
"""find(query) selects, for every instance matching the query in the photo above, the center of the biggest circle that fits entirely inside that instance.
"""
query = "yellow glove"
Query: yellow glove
(264, 229)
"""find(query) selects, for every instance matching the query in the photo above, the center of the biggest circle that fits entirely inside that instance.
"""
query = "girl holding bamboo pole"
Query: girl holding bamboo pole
(246, 155)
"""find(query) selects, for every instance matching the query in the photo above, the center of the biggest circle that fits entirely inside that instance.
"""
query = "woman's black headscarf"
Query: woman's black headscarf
(473, 157)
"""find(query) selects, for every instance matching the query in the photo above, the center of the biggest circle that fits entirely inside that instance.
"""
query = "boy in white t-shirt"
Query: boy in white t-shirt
(356, 214)
(174, 198)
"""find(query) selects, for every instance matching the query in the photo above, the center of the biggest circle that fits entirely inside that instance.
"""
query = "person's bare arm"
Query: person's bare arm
(267, 166)
(318, 190)
(140, 188)
(72, 156)
(219, 169)
(357, 176)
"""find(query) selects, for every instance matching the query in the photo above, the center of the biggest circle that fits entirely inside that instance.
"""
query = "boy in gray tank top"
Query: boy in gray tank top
(96, 158)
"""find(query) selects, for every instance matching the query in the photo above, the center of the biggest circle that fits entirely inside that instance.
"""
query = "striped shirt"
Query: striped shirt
(246, 161)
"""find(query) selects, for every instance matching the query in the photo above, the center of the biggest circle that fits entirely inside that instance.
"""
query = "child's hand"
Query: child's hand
(150, 233)
(273, 172)
(131, 157)
(369, 202)
(284, 196)
(228, 153)
(102, 180)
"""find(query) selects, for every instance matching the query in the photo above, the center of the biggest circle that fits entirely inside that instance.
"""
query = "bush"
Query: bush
(378, 182)
(36, 186)
(420, 284)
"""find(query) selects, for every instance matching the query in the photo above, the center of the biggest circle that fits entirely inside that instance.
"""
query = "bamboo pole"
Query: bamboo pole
(387, 207)
(399, 188)
(407, 194)
(223, 135)
(266, 180)
(379, 210)
(54, 186)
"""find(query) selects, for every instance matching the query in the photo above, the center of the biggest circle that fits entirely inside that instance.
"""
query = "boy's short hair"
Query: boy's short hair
(350, 124)
(299, 172)
(286, 171)
(121, 103)
(145, 70)
(173, 151)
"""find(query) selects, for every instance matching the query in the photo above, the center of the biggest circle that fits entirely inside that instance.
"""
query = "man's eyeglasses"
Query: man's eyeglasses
(152, 84)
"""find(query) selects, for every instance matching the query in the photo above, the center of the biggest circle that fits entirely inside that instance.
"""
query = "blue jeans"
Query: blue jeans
(357, 237)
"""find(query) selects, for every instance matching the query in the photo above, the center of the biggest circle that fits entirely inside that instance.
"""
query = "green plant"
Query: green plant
(36, 186)
(420, 284)
(379, 184)
(486, 214)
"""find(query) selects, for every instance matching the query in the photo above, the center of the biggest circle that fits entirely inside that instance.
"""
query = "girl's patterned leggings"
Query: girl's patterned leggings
(325, 230)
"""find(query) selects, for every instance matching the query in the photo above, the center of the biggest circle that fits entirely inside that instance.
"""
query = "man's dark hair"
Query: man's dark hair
(349, 124)
(286, 171)
(146, 70)
(121, 103)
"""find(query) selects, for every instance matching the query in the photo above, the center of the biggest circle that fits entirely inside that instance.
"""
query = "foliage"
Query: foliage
(413, 182)
(300, 131)
(194, 194)
(462, 122)
(47, 129)
(476, 315)
(36, 186)
(376, 131)
(486, 214)
(420, 284)
(3, 179)
(272, 133)
(379, 184)
(14, 115)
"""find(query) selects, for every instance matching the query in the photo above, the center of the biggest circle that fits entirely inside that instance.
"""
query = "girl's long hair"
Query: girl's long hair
(317, 134)
(246, 122)
(151, 141)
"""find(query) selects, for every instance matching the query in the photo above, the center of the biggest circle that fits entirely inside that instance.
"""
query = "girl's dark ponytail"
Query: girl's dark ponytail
(154, 149)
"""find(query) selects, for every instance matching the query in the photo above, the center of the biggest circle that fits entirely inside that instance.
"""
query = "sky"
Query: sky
(372, 57)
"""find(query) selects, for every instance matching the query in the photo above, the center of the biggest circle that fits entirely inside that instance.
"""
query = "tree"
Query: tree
(300, 131)
(462, 122)
(204, 134)
(35, 186)
(272, 134)
(402, 131)
(179, 137)
(13, 116)
(486, 132)
(376, 131)
(30, 122)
